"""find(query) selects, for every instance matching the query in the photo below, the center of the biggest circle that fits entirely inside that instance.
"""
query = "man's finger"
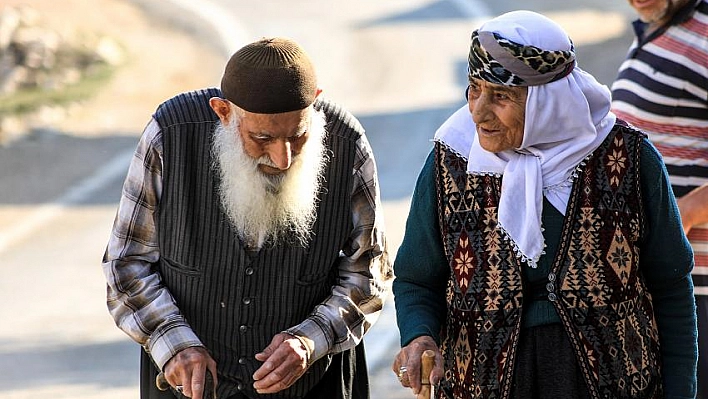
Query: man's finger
(276, 364)
(266, 368)
(280, 371)
(196, 390)
(266, 352)
(277, 380)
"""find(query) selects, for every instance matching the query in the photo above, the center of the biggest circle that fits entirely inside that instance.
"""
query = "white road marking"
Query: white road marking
(231, 35)
(82, 191)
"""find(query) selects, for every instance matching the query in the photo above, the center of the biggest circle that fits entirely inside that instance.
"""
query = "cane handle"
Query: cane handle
(161, 382)
(427, 361)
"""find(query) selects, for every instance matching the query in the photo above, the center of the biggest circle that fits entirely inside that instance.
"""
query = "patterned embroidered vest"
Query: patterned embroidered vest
(236, 302)
(595, 283)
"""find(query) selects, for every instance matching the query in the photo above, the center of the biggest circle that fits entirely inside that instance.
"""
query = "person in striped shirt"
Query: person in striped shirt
(662, 88)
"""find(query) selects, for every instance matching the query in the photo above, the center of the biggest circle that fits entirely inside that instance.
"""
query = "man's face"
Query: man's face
(270, 169)
(498, 111)
(651, 10)
(274, 138)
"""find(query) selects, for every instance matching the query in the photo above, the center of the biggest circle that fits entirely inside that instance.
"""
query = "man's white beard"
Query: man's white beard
(267, 209)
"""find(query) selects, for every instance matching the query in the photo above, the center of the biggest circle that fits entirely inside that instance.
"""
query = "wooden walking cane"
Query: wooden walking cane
(427, 361)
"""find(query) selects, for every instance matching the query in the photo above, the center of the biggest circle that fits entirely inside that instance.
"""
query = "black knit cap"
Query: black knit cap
(270, 76)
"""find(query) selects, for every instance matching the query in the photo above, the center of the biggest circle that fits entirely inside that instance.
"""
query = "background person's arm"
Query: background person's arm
(694, 208)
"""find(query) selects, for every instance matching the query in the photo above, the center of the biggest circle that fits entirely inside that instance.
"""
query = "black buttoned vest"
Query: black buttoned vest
(236, 302)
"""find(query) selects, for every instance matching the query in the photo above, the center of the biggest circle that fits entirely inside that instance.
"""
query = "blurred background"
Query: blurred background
(79, 80)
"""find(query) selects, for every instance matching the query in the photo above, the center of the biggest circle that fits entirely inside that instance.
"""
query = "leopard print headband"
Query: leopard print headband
(498, 60)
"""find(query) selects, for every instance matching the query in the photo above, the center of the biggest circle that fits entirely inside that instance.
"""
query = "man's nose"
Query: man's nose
(281, 154)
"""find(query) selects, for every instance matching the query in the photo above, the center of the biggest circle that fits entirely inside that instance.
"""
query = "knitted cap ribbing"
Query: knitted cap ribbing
(270, 76)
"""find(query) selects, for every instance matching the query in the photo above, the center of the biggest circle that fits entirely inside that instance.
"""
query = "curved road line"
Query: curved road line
(82, 191)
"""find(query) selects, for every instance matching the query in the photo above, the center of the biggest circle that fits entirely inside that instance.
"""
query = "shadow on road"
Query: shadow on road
(108, 365)
(39, 167)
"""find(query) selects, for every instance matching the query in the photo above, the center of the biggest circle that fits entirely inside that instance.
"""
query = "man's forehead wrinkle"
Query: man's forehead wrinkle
(256, 129)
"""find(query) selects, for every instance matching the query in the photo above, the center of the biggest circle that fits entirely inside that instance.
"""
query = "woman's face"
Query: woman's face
(498, 111)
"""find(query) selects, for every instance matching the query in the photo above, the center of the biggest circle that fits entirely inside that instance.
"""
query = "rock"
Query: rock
(110, 51)
(9, 22)
(34, 56)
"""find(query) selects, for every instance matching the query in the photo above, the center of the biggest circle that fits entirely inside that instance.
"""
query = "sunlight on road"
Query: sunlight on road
(590, 26)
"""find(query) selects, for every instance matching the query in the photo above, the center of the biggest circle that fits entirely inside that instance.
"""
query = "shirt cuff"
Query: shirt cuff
(168, 339)
(316, 337)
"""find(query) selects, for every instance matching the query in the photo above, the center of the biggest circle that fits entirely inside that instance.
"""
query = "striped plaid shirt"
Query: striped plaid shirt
(662, 88)
(137, 299)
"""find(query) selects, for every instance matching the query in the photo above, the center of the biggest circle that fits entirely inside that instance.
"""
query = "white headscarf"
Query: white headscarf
(566, 120)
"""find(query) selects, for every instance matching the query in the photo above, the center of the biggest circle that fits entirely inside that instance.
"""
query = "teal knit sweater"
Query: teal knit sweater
(422, 270)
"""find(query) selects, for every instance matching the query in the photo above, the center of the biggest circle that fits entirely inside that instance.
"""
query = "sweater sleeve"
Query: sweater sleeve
(421, 267)
(666, 262)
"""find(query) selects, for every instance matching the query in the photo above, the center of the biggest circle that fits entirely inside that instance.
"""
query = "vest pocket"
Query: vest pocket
(314, 273)
(177, 267)
(312, 279)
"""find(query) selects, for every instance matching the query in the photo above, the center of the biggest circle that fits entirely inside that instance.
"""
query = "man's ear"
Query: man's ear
(221, 107)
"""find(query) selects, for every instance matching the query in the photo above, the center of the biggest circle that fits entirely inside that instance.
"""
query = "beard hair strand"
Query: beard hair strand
(266, 209)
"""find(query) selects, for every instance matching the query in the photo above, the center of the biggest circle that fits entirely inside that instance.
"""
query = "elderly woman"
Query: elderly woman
(544, 255)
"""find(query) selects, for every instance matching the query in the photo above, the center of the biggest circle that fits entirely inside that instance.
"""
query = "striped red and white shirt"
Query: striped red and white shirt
(662, 88)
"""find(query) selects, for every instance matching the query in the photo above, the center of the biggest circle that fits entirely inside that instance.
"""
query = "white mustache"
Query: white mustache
(275, 206)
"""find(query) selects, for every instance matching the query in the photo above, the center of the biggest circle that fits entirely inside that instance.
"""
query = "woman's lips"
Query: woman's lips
(487, 132)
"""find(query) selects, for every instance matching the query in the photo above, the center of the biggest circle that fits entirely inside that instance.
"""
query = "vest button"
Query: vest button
(243, 328)
(551, 277)
(550, 287)
(242, 360)
(246, 301)
(552, 297)
(240, 386)
(249, 271)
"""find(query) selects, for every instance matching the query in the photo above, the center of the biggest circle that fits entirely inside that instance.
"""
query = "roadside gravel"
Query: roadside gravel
(164, 55)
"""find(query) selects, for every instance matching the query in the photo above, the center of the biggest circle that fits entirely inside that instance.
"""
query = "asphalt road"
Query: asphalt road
(398, 65)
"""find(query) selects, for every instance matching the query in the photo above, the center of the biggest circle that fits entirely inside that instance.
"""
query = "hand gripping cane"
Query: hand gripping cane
(427, 361)
(163, 385)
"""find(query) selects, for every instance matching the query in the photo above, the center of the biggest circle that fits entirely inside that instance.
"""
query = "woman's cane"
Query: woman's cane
(427, 363)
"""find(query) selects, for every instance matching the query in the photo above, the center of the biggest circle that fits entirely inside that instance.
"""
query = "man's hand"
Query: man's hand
(187, 369)
(284, 361)
(410, 358)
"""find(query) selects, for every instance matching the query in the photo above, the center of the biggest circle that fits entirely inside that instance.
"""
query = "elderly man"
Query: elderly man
(543, 255)
(249, 238)
(662, 88)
